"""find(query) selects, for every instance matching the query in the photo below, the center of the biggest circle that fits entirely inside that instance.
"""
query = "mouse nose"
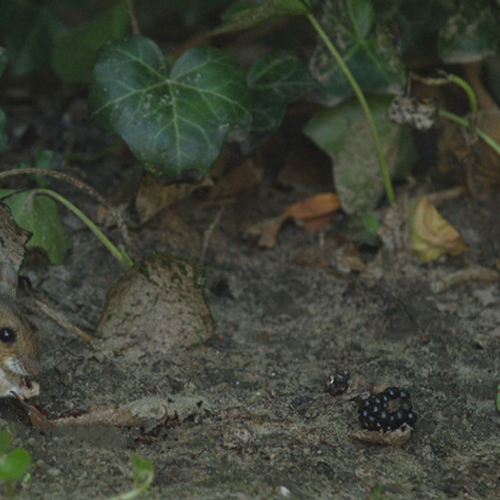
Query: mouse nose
(31, 365)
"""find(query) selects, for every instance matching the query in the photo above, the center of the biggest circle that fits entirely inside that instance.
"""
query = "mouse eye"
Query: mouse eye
(7, 335)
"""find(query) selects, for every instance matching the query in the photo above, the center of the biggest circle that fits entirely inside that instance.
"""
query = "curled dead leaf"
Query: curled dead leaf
(342, 256)
(398, 437)
(314, 213)
(474, 274)
(431, 234)
(266, 231)
(153, 196)
(149, 411)
(241, 178)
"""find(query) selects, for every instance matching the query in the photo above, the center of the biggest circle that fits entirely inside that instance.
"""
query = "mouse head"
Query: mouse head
(19, 356)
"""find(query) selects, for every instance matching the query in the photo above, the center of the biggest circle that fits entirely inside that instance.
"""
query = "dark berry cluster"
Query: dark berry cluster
(338, 383)
(387, 410)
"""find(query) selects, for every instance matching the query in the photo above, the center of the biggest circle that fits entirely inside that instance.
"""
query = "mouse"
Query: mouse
(19, 354)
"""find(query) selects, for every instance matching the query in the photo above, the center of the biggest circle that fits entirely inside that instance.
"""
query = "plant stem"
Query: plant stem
(364, 105)
(138, 489)
(133, 18)
(462, 121)
(131, 246)
(120, 255)
(469, 91)
(9, 489)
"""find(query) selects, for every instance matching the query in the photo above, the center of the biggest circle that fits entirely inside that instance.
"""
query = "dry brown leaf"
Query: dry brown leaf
(312, 256)
(398, 437)
(431, 234)
(341, 256)
(153, 196)
(315, 206)
(156, 307)
(241, 178)
(314, 213)
(459, 152)
(149, 411)
(486, 159)
(474, 274)
(347, 259)
(266, 231)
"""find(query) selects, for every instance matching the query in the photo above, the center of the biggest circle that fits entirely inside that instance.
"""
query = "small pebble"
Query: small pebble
(284, 491)
(54, 472)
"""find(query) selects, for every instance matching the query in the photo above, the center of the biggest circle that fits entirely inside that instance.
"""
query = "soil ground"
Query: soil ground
(262, 425)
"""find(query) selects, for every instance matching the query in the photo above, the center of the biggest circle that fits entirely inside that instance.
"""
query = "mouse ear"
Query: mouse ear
(8, 279)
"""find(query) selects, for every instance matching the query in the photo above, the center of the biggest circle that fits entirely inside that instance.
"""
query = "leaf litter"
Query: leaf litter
(313, 213)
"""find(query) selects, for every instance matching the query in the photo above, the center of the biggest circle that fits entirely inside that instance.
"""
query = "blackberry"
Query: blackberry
(387, 410)
(338, 383)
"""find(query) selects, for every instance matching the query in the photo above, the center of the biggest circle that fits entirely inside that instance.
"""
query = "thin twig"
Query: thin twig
(133, 18)
(70, 327)
(448, 194)
(209, 232)
(115, 214)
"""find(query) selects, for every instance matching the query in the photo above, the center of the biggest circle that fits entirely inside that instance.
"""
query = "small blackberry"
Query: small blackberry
(387, 410)
(338, 383)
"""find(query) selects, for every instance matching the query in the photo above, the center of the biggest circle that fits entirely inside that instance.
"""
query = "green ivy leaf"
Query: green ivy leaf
(344, 134)
(365, 48)
(14, 465)
(173, 121)
(75, 51)
(249, 13)
(274, 81)
(471, 34)
(39, 215)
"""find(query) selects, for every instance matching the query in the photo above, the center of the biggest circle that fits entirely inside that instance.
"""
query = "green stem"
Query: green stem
(10, 490)
(462, 121)
(120, 255)
(364, 105)
(470, 92)
(137, 491)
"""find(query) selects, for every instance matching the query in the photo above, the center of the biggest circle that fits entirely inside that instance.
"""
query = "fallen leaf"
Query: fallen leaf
(460, 153)
(342, 256)
(149, 411)
(474, 274)
(314, 213)
(315, 206)
(156, 307)
(153, 196)
(398, 437)
(431, 234)
(238, 179)
(266, 231)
